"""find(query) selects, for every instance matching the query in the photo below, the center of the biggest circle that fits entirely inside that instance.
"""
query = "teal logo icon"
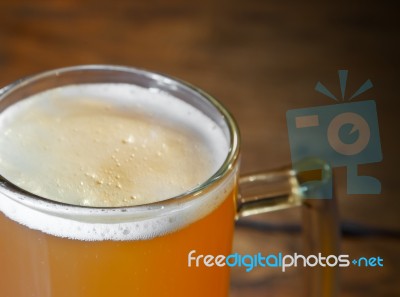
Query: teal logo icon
(341, 134)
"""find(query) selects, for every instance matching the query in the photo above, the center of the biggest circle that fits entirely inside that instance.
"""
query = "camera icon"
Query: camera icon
(345, 134)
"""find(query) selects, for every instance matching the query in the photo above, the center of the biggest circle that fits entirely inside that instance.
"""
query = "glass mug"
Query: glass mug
(152, 258)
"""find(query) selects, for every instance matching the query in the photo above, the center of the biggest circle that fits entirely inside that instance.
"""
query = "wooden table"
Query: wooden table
(260, 58)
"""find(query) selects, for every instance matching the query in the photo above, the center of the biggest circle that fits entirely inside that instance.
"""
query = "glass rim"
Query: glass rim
(46, 204)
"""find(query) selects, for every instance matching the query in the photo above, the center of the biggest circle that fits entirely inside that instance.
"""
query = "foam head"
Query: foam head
(108, 145)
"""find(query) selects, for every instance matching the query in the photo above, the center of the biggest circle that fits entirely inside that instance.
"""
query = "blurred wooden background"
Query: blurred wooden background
(260, 58)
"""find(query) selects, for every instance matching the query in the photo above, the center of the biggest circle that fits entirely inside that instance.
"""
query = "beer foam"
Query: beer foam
(107, 145)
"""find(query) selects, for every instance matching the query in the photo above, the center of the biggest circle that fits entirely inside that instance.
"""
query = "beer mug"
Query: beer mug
(51, 248)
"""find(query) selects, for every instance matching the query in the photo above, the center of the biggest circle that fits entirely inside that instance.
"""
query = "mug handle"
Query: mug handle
(287, 188)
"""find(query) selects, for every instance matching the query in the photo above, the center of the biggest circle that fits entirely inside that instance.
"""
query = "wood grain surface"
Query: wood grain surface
(260, 58)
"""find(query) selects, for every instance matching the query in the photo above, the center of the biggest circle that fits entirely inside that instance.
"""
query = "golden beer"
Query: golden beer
(105, 195)
(37, 264)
